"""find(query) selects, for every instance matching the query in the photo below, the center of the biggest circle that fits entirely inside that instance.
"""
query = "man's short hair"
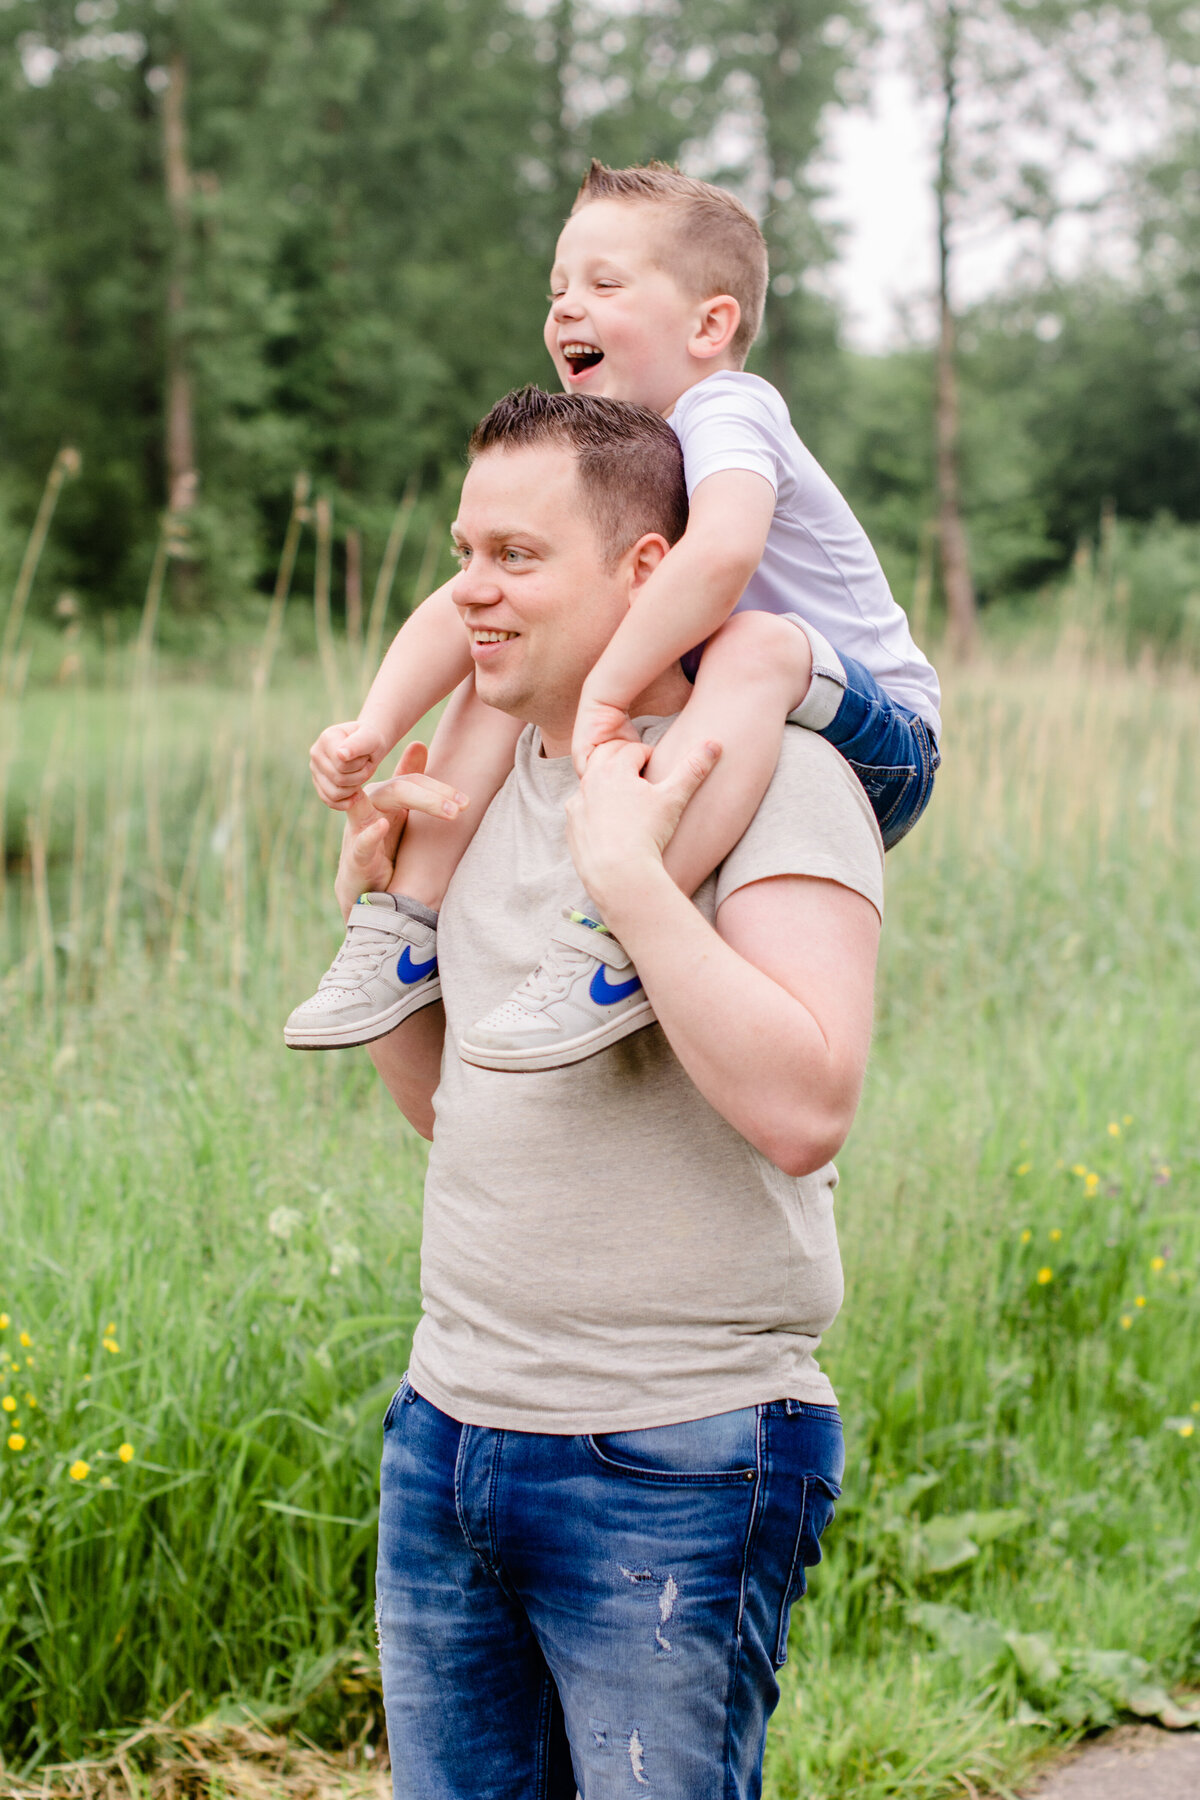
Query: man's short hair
(628, 460)
(713, 245)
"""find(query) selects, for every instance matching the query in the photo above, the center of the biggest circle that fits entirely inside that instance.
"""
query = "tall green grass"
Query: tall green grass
(212, 1244)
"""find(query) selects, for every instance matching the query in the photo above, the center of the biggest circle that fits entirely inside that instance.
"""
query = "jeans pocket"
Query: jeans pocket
(714, 1451)
(816, 1510)
(397, 1399)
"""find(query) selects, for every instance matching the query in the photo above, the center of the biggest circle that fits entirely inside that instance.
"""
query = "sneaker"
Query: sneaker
(385, 970)
(584, 995)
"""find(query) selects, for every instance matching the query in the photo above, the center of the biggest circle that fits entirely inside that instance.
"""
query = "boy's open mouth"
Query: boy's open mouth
(581, 357)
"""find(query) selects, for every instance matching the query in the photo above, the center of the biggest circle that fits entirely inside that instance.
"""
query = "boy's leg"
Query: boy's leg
(657, 1569)
(386, 968)
(755, 671)
(472, 750)
(585, 995)
(891, 750)
(472, 1711)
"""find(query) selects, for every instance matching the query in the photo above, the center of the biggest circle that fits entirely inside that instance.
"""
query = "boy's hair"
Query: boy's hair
(628, 459)
(714, 245)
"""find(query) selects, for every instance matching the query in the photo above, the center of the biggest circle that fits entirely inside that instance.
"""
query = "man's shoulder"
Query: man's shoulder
(814, 820)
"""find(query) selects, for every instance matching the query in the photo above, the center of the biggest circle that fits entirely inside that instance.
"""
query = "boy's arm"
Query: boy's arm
(427, 658)
(692, 592)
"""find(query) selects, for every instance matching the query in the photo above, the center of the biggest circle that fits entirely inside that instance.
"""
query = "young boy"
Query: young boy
(657, 293)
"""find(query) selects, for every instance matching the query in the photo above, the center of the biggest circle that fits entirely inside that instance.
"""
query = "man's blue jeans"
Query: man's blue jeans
(602, 1614)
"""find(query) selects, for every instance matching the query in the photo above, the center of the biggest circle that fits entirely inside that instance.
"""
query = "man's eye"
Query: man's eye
(460, 553)
(511, 555)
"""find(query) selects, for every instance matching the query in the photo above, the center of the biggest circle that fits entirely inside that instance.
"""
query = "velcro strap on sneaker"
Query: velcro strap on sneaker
(380, 918)
(600, 944)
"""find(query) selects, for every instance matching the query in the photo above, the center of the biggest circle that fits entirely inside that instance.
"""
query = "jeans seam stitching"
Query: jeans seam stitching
(762, 1463)
(783, 1622)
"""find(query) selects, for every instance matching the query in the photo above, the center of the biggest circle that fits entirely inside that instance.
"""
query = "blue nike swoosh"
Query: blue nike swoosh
(409, 971)
(604, 993)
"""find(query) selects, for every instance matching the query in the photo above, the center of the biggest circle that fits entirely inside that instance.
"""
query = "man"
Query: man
(614, 1454)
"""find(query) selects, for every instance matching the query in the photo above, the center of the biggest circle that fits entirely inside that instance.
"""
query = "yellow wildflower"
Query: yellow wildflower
(30, 1400)
(1024, 1168)
(1092, 1182)
(1126, 1321)
(1127, 1118)
(79, 1471)
(111, 1345)
(8, 1403)
(1044, 1275)
(1078, 1169)
(26, 1340)
(1157, 1263)
(1114, 1130)
(1187, 1428)
(1055, 1235)
(110, 1329)
(126, 1453)
(106, 1481)
(4, 1321)
(16, 1441)
(1026, 1235)
(1139, 1300)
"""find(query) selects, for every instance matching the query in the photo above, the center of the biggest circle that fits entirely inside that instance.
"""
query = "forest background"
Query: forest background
(261, 268)
(236, 244)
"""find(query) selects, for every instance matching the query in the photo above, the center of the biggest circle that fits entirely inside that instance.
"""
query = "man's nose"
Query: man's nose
(475, 586)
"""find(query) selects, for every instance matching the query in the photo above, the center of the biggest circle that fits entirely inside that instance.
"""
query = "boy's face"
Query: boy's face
(618, 324)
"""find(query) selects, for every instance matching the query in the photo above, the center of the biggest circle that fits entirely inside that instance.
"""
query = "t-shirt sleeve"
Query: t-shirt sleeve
(727, 427)
(815, 820)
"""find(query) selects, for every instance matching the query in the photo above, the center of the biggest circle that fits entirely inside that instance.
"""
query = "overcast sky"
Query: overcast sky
(878, 171)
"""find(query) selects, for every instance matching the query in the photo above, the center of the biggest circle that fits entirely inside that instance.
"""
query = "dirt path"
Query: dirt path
(1139, 1762)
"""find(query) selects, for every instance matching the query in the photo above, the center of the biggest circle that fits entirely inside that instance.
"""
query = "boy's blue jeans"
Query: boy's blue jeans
(891, 750)
(594, 1614)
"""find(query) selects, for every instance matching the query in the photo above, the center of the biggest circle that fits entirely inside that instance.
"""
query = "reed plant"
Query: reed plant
(211, 1245)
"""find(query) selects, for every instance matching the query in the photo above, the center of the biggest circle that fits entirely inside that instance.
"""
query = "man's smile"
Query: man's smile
(491, 637)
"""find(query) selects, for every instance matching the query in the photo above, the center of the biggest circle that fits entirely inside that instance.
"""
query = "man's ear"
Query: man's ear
(641, 560)
(716, 327)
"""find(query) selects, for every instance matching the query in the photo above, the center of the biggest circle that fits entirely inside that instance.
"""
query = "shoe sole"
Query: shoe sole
(535, 1062)
(363, 1031)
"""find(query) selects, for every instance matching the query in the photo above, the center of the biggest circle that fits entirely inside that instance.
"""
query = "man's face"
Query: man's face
(534, 594)
(618, 324)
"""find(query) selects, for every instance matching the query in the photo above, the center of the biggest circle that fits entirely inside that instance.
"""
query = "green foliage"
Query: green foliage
(1022, 1450)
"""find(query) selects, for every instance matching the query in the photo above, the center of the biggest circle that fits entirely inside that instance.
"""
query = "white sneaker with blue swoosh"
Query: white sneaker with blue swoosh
(584, 995)
(385, 970)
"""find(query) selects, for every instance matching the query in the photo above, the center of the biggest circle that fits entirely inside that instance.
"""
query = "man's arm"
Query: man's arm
(770, 1012)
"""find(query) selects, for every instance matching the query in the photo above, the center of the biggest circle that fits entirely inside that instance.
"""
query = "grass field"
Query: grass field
(210, 1246)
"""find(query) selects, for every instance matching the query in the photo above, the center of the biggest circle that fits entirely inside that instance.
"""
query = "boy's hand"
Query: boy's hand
(597, 722)
(343, 758)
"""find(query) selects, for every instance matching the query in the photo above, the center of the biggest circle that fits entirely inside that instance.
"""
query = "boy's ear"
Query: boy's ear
(716, 326)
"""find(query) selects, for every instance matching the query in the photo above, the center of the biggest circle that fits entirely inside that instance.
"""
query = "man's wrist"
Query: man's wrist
(631, 895)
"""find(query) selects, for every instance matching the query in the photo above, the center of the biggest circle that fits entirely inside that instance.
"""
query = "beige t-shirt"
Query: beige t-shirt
(602, 1251)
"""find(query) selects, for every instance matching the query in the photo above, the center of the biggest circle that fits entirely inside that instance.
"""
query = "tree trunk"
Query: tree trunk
(952, 538)
(182, 478)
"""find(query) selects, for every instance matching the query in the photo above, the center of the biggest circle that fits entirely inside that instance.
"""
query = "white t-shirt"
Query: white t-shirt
(602, 1250)
(818, 560)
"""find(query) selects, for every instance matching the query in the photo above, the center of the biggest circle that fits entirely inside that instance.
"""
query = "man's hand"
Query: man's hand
(619, 824)
(375, 819)
(598, 722)
(343, 758)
